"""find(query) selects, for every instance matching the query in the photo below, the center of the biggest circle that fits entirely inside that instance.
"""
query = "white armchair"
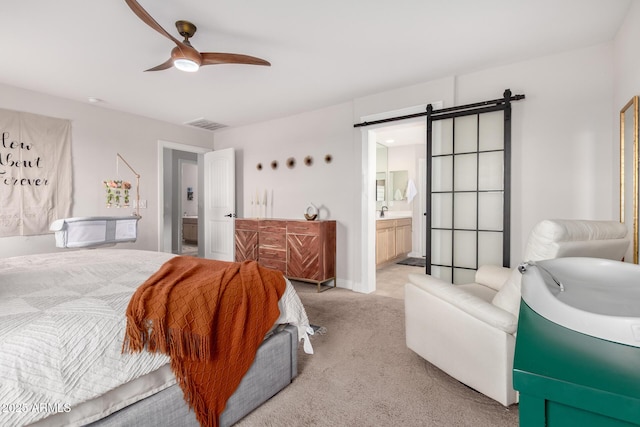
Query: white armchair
(468, 330)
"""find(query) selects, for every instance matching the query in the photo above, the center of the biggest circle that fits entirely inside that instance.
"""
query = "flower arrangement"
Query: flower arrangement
(117, 192)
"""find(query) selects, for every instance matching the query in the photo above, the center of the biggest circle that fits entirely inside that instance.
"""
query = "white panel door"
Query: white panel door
(219, 204)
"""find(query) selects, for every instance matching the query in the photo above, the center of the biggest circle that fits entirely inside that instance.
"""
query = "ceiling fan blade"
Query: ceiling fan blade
(165, 65)
(148, 19)
(214, 58)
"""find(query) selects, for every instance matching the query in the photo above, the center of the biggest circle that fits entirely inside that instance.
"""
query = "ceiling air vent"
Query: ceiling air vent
(205, 124)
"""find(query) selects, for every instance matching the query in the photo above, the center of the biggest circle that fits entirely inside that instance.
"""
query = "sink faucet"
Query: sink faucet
(382, 211)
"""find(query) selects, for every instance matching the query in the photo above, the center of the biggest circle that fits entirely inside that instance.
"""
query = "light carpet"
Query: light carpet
(363, 374)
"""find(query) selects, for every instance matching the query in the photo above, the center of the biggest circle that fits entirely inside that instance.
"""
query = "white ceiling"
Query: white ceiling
(413, 132)
(322, 53)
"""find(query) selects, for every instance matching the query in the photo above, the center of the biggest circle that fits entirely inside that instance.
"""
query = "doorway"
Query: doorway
(400, 154)
(171, 157)
(369, 207)
(467, 190)
(187, 239)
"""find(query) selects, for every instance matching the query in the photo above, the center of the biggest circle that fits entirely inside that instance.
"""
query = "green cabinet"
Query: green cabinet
(566, 378)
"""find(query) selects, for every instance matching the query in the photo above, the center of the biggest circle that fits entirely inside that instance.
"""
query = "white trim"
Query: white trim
(344, 284)
(173, 146)
(368, 212)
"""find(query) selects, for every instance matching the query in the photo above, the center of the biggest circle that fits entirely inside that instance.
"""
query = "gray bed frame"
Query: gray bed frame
(275, 366)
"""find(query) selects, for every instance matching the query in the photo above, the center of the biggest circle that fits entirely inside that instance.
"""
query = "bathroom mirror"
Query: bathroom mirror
(381, 186)
(629, 174)
(381, 173)
(398, 181)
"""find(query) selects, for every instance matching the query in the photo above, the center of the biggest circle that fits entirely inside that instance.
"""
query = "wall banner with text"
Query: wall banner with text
(35, 172)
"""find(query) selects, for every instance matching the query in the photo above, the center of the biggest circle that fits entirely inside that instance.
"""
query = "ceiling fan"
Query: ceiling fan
(184, 56)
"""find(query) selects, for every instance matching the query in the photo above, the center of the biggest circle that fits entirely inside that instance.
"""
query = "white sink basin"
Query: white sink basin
(596, 297)
(394, 215)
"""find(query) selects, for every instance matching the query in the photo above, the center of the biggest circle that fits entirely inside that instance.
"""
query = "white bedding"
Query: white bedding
(62, 325)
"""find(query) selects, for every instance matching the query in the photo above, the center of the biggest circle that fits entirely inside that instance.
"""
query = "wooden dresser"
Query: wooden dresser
(302, 250)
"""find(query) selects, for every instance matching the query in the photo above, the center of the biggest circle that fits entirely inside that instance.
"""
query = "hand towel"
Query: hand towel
(411, 191)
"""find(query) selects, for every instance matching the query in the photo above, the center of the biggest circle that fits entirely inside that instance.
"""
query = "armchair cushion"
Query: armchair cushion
(556, 238)
(492, 276)
(467, 302)
(508, 298)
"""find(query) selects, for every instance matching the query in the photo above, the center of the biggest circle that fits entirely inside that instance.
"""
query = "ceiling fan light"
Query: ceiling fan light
(184, 64)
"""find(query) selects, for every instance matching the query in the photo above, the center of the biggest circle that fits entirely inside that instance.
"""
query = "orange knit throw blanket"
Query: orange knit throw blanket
(210, 317)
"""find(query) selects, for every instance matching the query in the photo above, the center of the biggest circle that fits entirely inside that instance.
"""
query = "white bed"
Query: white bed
(62, 323)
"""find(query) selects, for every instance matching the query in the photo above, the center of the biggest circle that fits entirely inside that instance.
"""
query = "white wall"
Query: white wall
(562, 136)
(562, 147)
(333, 187)
(97, 135)
(189, 179)
(406, 157)
(626, 86)
(627, 60)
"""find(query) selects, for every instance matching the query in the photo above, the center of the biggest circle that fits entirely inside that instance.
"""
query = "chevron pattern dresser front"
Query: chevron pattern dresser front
(302, 250)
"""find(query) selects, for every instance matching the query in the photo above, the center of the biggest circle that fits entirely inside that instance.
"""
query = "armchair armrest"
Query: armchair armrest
(468, 303)
(492, 276)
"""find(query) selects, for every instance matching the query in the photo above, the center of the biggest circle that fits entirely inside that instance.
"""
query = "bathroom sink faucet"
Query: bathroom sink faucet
(382, 211)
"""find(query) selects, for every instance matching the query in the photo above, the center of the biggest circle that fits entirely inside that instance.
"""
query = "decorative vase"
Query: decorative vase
(311, 212)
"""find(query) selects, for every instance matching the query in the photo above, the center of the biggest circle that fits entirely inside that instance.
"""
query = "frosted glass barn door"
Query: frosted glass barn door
(468, 195)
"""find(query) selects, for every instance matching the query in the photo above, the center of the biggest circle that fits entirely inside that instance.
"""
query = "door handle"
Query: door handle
(230, 215)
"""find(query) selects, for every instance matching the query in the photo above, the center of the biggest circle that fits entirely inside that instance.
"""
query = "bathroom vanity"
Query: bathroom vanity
(393, 239)
(190, 229)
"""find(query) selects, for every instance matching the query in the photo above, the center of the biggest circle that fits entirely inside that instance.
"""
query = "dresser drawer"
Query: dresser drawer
(273, 226)
(274, 264)
(272, 240)
(272, 254)
(247, 224)
(299, 227)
